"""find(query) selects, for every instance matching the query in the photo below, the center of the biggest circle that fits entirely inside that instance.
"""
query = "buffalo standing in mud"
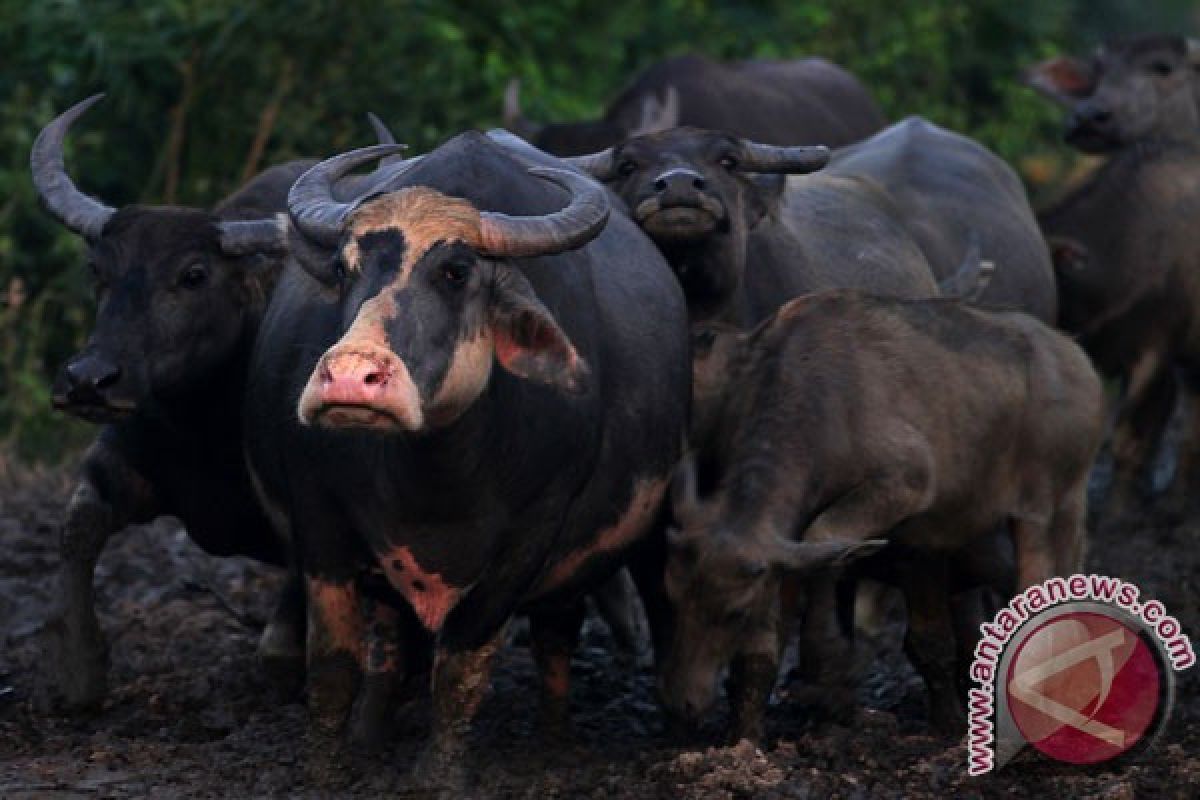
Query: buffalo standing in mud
(846, 418)
(475, 383)
(1127, 263)
(180, 293)
(803, 101)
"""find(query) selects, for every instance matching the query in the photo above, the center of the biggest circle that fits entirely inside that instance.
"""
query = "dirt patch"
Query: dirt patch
(189, 714)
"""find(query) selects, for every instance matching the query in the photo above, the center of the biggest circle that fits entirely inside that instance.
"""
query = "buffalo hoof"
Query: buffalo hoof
(371, 724)
(78, 657)
(441, 773)
(281, 656)
(327, 766)
(947, 719)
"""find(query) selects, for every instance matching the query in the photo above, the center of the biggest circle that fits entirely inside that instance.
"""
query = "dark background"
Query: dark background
(202, 93)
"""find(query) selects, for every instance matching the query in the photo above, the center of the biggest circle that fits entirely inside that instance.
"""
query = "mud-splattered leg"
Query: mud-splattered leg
(281, 646)
(1142, 420)
(81, 660)
(110, 495)
(929, 642)
(371, 723)
(460, 681)
(334, 650)
(555, 635)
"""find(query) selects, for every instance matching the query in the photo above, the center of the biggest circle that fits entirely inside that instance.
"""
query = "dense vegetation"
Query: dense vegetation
(201, 93)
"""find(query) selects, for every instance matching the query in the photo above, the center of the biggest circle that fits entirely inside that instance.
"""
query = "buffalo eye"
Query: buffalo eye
(454, 274)
(728, 161)
(627, 167)
(1161, 68)
(194, 277)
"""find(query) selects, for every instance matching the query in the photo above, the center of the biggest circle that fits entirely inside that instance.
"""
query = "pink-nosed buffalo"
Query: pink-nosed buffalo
(476, 382)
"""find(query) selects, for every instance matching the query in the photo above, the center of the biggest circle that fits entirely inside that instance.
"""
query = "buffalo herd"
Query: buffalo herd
(740, 339)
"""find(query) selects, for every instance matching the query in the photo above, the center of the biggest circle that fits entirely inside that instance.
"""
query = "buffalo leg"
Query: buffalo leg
(617, 607)
(82, 661)
(1182, 492)
(79, 651)
(555, 635)
(929, 642)
(1141, 421)
(460, 681)
(281, 646)
(647, 565)
(1035, 557)
(371, 723)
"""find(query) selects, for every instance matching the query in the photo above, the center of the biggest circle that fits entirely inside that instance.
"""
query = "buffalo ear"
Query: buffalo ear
(527, 340)
(811, 556)
(1063, 79)
(764, 196)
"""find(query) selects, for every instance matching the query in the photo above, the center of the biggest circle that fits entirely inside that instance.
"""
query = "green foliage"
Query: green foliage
(201, 93)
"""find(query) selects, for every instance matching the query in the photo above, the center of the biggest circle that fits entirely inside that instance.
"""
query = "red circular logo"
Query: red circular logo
(1084, 687)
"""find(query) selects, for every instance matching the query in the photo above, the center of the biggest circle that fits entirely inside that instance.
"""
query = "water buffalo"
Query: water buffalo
(949, 190)
(477, 383)
(180, 292)
(1132, 299)
(803, 101)
(743, 238)
(847, 417)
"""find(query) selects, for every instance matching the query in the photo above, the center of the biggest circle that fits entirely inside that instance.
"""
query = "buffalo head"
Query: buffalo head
(697, 194)
(430, 300)
(723, 580)
(1130, 90)
(175, 288)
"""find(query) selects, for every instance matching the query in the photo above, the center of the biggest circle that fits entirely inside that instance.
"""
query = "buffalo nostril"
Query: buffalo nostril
(699, 182)
(660, 185)
(106, 379)
(375, 377)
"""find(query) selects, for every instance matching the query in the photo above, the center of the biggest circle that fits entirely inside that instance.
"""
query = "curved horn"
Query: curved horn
(58, 194)
(788, 160)
(598, 165)
(248, 237)
(385, 136)
(381, 131)
(574, 226)
(310, 201)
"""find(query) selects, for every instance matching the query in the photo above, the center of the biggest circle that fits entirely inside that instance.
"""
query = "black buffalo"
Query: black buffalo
(911, 207)
(180, 292)
(475, 391)
(803, 101)
(1126, 240)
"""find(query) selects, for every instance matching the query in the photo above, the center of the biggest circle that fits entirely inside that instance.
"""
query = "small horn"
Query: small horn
(310, 201)
(574, 226)
(58, 194)
(796, 160)
(512, 104)
(248, 237)
(598, 165)
(381, 131)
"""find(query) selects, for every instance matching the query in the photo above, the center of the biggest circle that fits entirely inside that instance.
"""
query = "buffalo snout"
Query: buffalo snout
(354, 388)
(86, 387)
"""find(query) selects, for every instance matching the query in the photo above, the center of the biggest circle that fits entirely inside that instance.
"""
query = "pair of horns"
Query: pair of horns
(321, 218)
(87, 216)
(756, 157)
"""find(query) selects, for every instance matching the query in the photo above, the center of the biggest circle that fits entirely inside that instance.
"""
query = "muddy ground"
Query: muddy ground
(189, 714)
